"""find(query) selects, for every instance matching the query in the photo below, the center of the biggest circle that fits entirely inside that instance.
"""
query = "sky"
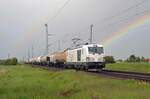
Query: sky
(22, 26)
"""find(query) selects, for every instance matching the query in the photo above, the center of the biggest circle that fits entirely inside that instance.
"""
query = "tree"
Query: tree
(132, 58)
(120, 60)
(14, 61)
(138, 59)
(11, 61)
(109, 59)
(142, 59)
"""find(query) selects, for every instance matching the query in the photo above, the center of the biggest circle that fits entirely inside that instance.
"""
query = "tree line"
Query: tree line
(134, 58)
(131, 58)
(10, 61)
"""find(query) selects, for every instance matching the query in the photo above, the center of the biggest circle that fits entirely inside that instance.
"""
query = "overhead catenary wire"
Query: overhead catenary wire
(59, 11)
(120, 13)
(102, 20)
(123, 11)
(113, 16)
(125, 19)
(50, 20)
(54, 17)
(117, 14)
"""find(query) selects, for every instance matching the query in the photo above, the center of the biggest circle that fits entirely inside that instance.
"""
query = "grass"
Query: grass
(137, 67)
(26, 82)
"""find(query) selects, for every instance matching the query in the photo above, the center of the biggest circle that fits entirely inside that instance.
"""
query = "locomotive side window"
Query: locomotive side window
(95, 50)
(47, 58)
(78, 55)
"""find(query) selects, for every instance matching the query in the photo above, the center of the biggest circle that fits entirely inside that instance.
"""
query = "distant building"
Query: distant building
(148, 60)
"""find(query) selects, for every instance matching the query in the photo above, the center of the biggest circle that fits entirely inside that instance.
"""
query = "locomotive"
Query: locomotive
(84, 57)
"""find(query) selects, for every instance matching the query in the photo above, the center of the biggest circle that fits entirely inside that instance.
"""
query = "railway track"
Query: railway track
(126, 75)
(112, 73)
(48, 68)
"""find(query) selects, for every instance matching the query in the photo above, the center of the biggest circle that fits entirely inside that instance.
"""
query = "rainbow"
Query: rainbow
(28, 36)
(125, 30)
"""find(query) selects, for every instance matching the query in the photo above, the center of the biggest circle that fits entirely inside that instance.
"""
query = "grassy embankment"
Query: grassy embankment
(25, 82)
(137, 67)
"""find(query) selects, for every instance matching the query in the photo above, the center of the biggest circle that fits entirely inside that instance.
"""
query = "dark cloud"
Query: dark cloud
(22, 25)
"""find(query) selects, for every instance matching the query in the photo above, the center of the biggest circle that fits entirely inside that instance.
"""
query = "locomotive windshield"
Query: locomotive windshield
(95, 50)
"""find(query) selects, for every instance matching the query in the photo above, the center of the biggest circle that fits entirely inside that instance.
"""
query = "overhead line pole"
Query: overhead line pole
(47, 41)
(46, 25)
(59, 45)
(91, 34)
(28, 55)
(8, 55)
(32, 51)
(51, 19)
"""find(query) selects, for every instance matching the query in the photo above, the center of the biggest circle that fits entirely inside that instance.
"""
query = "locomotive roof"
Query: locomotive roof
(85, 46)
(88, 45)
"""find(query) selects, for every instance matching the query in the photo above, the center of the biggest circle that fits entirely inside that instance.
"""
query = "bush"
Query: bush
(109, 59)
(133, 58)
(119, 61)
(12, 61)
(2, 62)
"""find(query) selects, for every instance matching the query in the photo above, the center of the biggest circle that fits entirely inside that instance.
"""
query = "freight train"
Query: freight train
(85, 57)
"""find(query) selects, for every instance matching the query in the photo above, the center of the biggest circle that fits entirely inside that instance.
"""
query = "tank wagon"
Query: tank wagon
(84, 57)
(58, 59)
(44, 60)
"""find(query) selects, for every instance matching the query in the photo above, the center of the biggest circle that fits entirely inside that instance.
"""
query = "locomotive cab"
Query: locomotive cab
(95, 54)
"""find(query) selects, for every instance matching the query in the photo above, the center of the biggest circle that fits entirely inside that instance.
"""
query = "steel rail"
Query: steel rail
(126, 75)
(112, 73)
